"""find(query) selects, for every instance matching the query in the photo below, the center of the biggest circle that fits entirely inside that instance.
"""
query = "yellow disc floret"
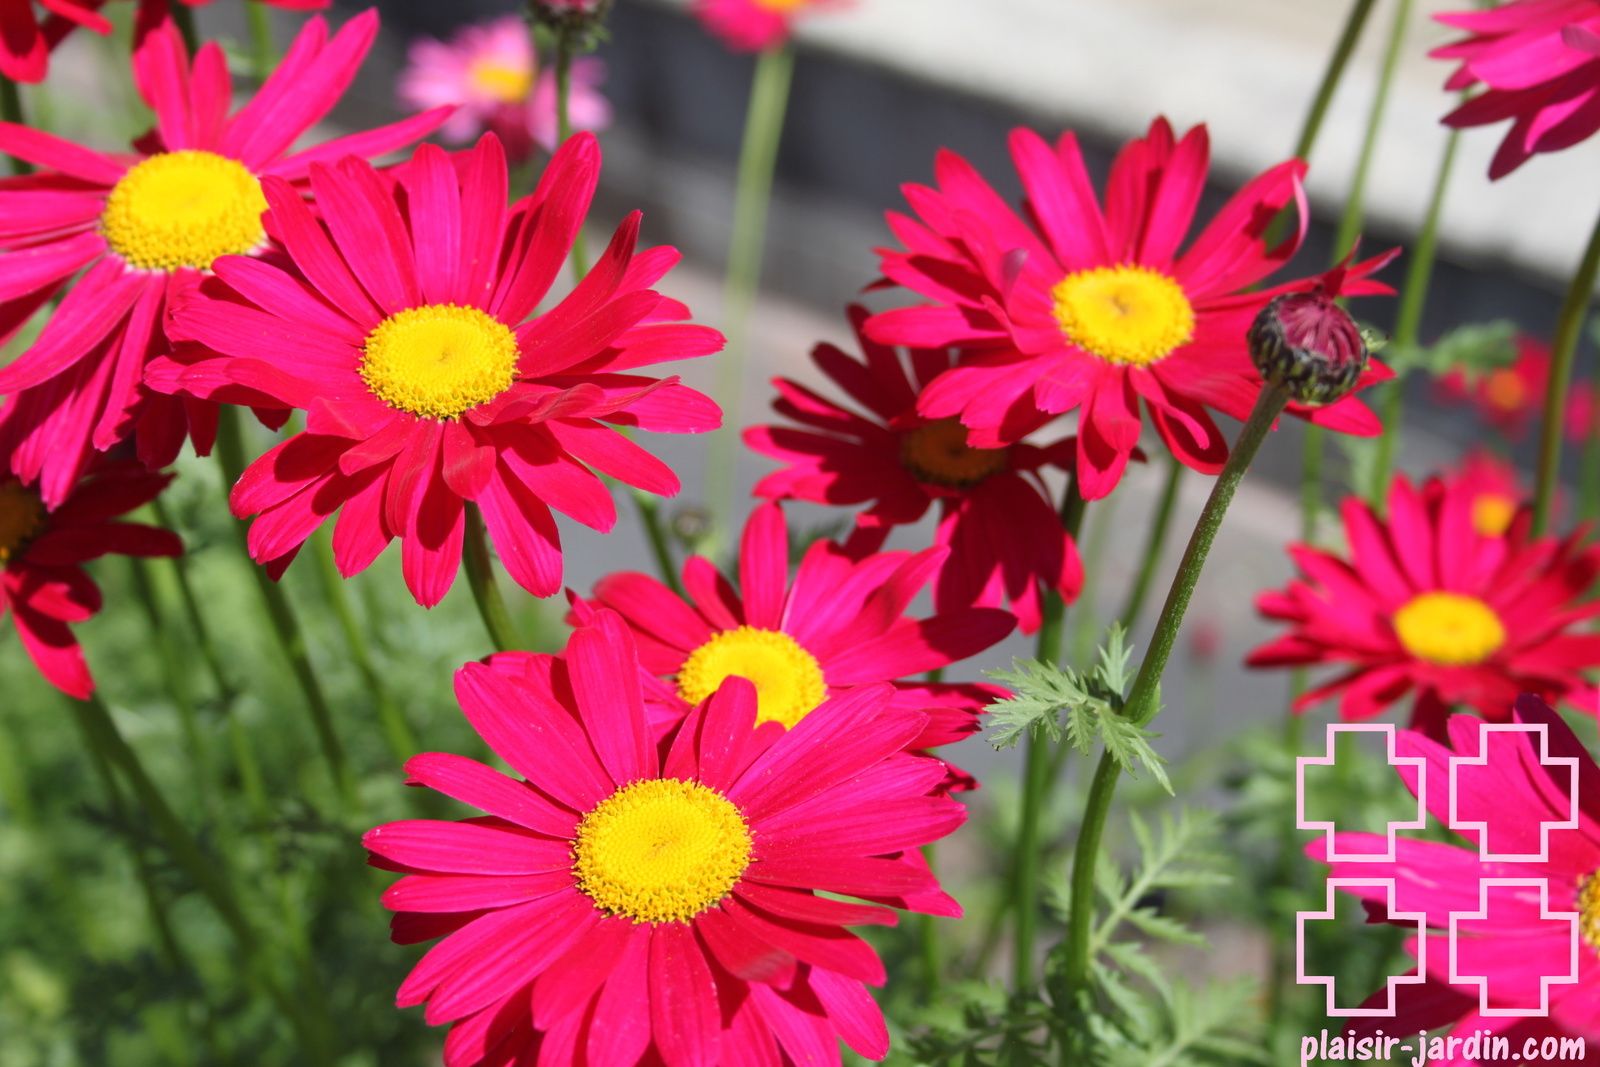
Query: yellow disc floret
(184, 209)
(1449, 629)
(1589, 909)
(501, 81)
(439, 361)
(788, 679)
(1492, 513)
(1125, 315)
(661, 851)
(21, 518)
(783, 6)
(1505, 389)
(938, 453)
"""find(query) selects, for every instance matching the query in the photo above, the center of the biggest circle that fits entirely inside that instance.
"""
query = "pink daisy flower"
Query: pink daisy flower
(1494, 489)
(404, 322)
(1538, 62)
(1067, 307)
(492, 75)
(27, 39)
(839, 623)
(1509, 398)
(756, 25)
(43, 585)
(126, 235)
(1006, 546)
(632, 902)
(1428, 603)
(1513, 946)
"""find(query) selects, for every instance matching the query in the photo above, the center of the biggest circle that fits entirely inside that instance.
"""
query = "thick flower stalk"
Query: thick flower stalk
(124, 237)
(637, 899)
(43, 586)
(1449, 600)
(839, 623)
(993, 509)
(1068, 306)
(404, 323)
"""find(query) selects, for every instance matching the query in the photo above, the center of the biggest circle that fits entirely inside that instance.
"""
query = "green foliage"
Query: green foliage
(1084, 708)
(1474, 350)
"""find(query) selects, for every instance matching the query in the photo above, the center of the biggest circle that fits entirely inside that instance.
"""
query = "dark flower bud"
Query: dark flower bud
(578, 17)
(1309, 344)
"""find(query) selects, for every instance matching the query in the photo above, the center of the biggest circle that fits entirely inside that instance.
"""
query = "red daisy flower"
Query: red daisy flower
(840, 623)
(1539, 64)
(633, 902)
(42, 552)
(146, 227)
(1067, 307)
(1512, 947)
(1509, 398)
(755, 25)
(995, 514)
(26, 39)
(403, 323)
(1428, 603)
(1494, 489)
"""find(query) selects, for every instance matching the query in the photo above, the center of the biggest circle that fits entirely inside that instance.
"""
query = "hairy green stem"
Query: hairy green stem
(1563, 351)
(1408, 318)
(650, 518)
(485, 590)
(285, 624)
(1036, 778)
(1354, 25)
(758, 164)
(1143, 702)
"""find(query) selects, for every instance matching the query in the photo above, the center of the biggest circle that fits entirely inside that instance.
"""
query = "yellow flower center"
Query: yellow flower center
(938, 453)
(782, 6)
(1492, 514)
(1505, 390)
(21, 518)
(1125, 315)
(439, 361)
(1589, 909)
(184, 209)
(661, 850)
(788, 679)
(1449, 629)
(502, 81)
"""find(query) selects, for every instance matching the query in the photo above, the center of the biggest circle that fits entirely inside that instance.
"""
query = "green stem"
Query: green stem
(1354, 209)
(1408, 318)
(11, 111)
(263, 52)
(1589, 475)
(1563, 350)
(758, 164)
(928, 949)
(650, 518)
(402, 741)
(102, 735)
(177, 682)
(1036, 778)
(1143, 702)
(285, 625)
(485, 590)
(192, 612)
(566, 51)
(1354, 25)
(1160, 528)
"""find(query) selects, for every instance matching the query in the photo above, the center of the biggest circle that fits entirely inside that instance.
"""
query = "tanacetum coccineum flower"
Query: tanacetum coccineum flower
(1427, 603)
(839, 623)
(26, 39)
(1514, 796)
(1494, 489)
(755, 25)
(492, 72)
(995, 514)
(1508, 398)
(403, 322)
(1539, 64)
(642, 902)
(142, 229)
(1066, 306)
(43, 585)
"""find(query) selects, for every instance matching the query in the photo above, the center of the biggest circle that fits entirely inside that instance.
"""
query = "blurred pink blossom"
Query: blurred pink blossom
(490, 70)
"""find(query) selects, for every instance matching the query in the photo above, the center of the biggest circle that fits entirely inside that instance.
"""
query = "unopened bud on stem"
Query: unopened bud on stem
(1310, 345)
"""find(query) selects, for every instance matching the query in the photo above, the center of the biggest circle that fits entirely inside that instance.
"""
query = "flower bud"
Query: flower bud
(571, 16)
(1309, 344)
